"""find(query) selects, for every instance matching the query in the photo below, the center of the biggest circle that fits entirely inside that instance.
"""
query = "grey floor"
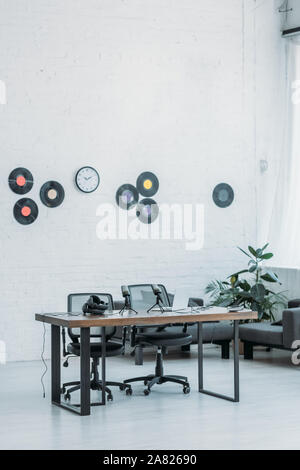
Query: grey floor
(268, 416)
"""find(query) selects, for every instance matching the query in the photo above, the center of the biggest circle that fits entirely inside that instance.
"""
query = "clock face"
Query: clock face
(87, 179)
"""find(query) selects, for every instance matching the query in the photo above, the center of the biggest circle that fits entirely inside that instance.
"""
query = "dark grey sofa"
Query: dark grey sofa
(216, 333)
(279, 335)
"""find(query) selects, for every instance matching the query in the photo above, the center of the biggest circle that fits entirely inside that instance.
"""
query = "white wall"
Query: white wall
(126, 86)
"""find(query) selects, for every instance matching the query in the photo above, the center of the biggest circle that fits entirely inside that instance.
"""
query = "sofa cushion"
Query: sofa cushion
(211, 331)
(262, 333)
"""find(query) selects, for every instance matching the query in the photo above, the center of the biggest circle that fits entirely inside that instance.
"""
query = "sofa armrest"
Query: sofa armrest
(294, 303)
(291, 326)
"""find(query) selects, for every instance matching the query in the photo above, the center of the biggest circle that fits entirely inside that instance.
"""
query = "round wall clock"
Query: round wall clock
(87, 179)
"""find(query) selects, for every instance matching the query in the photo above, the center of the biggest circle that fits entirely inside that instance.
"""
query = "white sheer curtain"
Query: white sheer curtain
(285, 221)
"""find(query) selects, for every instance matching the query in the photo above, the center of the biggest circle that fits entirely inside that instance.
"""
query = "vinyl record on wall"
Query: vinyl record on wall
(147, 211)
(223, 195)
(147, 184)
(127, 196)
(52, 194)
(26, 211)
(20, 180)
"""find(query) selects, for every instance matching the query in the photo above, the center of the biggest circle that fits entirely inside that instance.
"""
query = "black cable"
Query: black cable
(43, 348)
(44, 362)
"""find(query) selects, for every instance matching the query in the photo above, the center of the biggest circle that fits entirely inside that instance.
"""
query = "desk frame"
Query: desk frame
(236, 356)
(113, 319)
(84, 408)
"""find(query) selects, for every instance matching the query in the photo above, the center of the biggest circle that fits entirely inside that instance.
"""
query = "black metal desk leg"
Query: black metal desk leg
(200, 356)
(55, 364)
(103, 358)
(236, 362)
(85, 394)
(236, 397)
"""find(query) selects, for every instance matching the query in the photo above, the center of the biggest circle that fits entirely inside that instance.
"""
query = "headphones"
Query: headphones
(94, 306)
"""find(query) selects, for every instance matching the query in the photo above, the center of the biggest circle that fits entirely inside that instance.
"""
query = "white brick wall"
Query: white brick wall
(126, 86)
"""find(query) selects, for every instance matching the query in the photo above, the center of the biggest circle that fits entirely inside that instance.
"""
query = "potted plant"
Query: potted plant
(252, 292)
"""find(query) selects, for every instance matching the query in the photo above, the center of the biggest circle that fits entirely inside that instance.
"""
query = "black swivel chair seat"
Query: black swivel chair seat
(113, 348)
(162, 339)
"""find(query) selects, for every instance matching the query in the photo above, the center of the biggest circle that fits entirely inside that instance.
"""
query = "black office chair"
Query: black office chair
(113, 348)
(141, 299)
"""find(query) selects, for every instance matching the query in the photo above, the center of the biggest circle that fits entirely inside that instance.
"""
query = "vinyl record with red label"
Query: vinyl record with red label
(147, 211)
(20, 180)
(127, 196)
(25, 211)
(147, 184)
(52, 194)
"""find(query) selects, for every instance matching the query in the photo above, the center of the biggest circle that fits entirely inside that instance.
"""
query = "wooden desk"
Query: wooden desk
(113, 318)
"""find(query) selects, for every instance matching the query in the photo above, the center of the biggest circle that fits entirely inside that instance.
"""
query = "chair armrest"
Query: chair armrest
(295, 303)
(291, 326)
(195, 302)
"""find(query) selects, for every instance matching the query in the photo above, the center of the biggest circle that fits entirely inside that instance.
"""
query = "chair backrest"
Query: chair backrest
(142, 296)
(75, 303)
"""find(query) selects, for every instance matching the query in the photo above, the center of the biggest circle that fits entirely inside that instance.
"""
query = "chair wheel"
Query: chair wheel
(146, 391)
(186, 390)
(122, 387)
(67, 397)
(63, 390)
(110, 397)
(129, 391)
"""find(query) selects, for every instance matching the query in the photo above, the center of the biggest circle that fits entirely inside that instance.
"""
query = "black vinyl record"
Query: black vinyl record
(147, 211)
(52, 194)
(147, 184)
(25, 211)
(127, 196)
(20, 180)
(223, 195)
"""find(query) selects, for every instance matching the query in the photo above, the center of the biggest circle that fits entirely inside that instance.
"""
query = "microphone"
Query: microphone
(127, 305)
(125, 292)
(159, 300)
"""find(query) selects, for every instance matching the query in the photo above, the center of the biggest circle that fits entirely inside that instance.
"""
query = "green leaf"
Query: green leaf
(266, 246)
(245, 286)
(270, 277)
(252, 251)
(245, 252)
(253, 268)
(267, 256)
(237, 274)
(258, 292)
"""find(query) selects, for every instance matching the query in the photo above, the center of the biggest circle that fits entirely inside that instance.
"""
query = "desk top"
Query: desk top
(113, 318)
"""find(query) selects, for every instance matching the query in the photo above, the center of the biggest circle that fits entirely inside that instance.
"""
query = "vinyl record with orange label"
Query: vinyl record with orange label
(20, 181)
(147, 211)
(52, 194)
(147, 184)
(25, 211)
